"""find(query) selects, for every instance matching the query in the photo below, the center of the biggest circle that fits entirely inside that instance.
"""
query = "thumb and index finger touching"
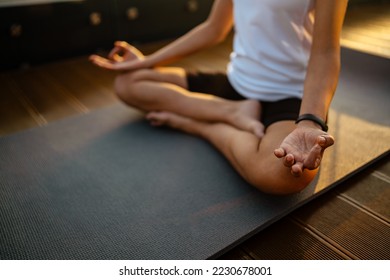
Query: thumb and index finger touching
(121, 51)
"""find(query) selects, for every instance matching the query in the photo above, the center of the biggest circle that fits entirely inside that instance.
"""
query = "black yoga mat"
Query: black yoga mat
(108, 186)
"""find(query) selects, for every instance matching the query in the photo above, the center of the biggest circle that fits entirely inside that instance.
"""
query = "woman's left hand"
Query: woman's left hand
(303, 148)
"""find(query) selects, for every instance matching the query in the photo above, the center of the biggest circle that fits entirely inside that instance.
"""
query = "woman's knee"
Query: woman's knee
(283, 184)
(125, 86)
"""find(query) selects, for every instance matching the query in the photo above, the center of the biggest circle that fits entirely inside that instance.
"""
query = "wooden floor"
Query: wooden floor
(366, 28)
(350, 222)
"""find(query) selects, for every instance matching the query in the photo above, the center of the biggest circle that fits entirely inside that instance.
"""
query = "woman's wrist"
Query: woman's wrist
(147, 62)
(310, 119)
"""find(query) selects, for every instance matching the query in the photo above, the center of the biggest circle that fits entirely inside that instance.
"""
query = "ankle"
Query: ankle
(232, 112)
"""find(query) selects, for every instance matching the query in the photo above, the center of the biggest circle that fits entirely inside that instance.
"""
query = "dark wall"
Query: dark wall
(39, 33)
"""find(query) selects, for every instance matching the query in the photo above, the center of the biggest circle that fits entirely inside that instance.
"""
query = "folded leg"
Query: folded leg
(252, 158)
(166, 89)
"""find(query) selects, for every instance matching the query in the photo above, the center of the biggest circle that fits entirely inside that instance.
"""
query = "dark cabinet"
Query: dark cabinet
(140, 20)
(39, 33)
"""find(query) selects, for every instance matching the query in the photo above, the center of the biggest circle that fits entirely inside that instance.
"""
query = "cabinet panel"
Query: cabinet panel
(37, 33)
(148, 20)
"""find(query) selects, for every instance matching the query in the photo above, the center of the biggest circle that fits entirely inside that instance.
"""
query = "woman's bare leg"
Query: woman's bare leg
(252, 157)
(165, 89)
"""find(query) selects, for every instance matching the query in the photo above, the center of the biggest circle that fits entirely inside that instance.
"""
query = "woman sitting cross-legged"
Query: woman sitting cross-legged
(267, 114)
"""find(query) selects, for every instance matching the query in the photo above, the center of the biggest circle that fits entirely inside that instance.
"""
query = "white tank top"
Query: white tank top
(271, 48)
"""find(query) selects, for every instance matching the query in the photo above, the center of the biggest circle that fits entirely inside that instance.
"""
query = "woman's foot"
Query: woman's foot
(175, 121)
(246, 117)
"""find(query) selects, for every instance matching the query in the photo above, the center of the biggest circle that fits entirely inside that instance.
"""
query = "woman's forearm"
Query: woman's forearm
(208, 33)
(197, 39)
(324, 63)
(320, 83)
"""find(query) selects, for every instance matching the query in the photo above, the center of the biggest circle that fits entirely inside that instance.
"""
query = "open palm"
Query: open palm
(303, 149)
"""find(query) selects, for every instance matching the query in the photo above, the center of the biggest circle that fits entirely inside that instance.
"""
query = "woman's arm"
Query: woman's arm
(324, 64)
(304, 147)
(208, 33)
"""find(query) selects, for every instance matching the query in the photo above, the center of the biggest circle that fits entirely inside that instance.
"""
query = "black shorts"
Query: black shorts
(219, 85)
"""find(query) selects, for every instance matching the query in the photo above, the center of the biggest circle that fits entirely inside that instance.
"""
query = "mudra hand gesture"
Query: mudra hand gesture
(123, 57)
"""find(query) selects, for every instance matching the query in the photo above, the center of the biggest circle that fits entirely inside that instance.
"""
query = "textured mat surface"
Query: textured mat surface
(109, 186)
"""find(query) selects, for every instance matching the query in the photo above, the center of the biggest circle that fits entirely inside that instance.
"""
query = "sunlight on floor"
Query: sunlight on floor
(367, 28)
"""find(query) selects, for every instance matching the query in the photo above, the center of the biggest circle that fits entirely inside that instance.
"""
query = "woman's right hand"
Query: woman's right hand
(123, 57)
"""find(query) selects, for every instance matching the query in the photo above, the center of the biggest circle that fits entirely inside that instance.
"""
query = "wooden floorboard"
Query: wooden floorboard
(366, 28)
(371, 192)
(90, 94)
(384, 168)
(358, 232)
(15, 112)
(290, 240)
(50, 99)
